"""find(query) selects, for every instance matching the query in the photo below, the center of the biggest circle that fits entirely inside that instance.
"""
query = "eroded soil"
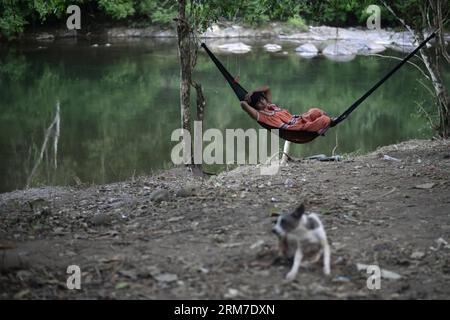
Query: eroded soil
(210, 238)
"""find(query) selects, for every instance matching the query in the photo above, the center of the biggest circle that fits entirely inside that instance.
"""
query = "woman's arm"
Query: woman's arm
(251, 111)
(263, 89)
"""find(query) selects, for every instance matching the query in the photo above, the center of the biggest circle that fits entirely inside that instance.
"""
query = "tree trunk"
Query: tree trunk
(442, 97)
(431, 60)
(434, 9)
(188, 59)
(185, 70)
(198, 134)
(201, 103)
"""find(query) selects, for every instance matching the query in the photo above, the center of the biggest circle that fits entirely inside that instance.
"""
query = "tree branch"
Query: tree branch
(397, 58)
(388, 7)
(47, 135)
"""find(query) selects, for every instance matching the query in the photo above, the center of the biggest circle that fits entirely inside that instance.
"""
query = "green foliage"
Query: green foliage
(158, 13)
(298, 22)
(49, 7)
(12, 17)
(16, 15)
(163, 16)
(409, 10)
(334, 12)
(300, 12)
(117, 9)
(256, 12)
(11, 24)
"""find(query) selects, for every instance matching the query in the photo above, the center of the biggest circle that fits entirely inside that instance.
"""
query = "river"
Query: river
(120, 104)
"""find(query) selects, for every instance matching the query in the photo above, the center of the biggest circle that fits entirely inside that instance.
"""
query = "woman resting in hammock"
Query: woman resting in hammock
(258, 104)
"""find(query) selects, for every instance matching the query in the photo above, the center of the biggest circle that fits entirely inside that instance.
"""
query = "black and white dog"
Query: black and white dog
(298, 233)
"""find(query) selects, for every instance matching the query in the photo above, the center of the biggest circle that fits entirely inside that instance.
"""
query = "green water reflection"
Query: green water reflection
(119, 105)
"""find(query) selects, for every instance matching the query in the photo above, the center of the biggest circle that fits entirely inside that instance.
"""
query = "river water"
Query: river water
(120, 104)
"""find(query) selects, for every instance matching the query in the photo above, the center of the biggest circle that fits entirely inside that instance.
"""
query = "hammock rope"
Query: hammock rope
(347, 112)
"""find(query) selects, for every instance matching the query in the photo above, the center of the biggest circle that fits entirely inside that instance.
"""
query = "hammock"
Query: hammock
(300, 136)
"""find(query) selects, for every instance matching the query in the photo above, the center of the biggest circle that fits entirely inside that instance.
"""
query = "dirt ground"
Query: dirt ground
(177, 236)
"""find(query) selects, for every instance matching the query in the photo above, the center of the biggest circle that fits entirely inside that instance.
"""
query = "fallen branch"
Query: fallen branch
(426, 114)
(48, 133)
(56, 136)
(387, 193)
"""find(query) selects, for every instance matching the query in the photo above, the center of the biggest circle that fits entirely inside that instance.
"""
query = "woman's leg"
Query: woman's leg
(314, 120)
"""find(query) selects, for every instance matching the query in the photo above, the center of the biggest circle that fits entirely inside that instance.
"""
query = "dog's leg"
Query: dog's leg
(297, 261)
(326, 256)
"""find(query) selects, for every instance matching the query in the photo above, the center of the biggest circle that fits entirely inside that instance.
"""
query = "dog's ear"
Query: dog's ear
(299, 211)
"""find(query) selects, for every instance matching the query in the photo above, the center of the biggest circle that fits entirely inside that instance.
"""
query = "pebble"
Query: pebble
(159, 195)
(203, 270)
(341, 279)
(386, 274)
(232, 293)
(289, 183)
(166, 277)
(10, 260)
(257, 244)
(389, 158)
(185, 192)
(441, 243)
(425, 185)
(417, 255)
(101, 219)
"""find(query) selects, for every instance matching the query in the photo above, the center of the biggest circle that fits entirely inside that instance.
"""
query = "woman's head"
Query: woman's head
(258, 100)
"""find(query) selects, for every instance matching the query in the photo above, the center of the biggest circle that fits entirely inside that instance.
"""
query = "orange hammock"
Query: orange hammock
(311, 124)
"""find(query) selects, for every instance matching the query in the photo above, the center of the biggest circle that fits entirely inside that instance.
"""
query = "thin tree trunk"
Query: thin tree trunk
(432, 62)
(443, 100)
(185, 71)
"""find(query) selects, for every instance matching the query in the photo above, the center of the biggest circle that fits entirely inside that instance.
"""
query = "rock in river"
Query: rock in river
(270, 47)
(307, 50)
(237, 47)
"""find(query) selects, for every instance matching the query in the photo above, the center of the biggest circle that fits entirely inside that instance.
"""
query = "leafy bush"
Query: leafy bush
(297, 22)
(158, 13)
(15, 15)
(11, 24)
(118, 9)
